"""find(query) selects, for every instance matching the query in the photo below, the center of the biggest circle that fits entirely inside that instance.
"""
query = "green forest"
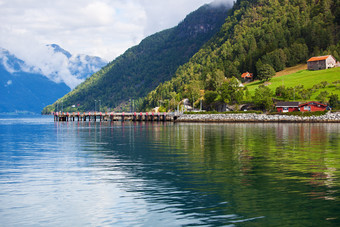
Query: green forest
(261, 37)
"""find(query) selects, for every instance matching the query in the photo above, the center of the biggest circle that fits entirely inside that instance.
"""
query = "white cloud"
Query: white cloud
(7, 67)
(104, 28)
(8, 83)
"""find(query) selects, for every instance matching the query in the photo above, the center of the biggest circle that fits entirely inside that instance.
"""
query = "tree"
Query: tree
(281, 91)
(262, 98)
(192, 91)
(322, 97)
(231, 92)
(277, 59)
(214, 82)
(264, 71)
(210, 98)
(297, 54)
(334, 101)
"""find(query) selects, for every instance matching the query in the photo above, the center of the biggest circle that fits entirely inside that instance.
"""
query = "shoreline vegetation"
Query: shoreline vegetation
(320, 117)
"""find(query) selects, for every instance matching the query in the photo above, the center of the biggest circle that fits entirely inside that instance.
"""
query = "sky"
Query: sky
(104, 28)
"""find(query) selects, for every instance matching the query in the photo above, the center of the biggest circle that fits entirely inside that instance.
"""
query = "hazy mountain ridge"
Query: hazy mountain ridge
(25, 88)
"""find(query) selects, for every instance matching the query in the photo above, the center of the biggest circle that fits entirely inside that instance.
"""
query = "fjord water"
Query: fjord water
(165, 174)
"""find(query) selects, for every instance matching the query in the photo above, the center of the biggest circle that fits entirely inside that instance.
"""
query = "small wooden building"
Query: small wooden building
(312, 106)
(247, 76)
(284, 107)
(321, 62)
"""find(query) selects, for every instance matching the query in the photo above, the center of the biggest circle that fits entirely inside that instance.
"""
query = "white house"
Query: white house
(321, 62)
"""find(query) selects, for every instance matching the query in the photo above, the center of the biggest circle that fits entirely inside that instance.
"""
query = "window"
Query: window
(307, 108)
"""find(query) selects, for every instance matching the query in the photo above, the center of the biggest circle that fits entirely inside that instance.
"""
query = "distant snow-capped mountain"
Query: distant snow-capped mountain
(29, 87)
(81, 66)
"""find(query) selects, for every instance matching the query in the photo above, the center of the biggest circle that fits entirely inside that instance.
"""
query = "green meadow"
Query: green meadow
(306, 78)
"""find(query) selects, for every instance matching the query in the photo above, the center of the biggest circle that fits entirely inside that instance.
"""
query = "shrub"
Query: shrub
(229, 112)
(302, 114)
(322, 97)
(334, 101)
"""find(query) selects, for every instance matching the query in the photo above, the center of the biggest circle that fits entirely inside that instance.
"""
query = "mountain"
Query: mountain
(22, 90)
(155, 60)
(80, 65)
(25, 88)
(258, 34)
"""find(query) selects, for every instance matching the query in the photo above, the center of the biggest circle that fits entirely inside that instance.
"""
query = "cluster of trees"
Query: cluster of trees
(259, 38)
(229, 91)
(301, 93)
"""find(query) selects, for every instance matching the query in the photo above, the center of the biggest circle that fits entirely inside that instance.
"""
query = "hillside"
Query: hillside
(291, 70)
(258, 33)
(143, 67)
(307, 79)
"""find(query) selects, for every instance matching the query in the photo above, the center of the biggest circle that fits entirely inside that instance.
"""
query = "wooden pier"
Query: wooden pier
(94, 116)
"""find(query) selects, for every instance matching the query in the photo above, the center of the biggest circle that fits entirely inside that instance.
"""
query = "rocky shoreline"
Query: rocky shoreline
(327, 118)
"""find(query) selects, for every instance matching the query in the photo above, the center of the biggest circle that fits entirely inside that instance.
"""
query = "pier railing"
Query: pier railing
(112, 116)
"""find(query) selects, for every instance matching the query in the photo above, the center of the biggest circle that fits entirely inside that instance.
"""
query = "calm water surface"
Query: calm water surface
(164, 174)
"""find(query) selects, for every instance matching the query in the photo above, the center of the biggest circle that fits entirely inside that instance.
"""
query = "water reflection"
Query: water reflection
(222, 174)
(164, 174)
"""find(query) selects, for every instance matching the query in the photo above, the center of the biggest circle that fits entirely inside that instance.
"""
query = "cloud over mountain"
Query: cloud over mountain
(53, 62)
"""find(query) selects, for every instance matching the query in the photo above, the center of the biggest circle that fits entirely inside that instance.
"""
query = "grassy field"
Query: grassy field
(308, 79)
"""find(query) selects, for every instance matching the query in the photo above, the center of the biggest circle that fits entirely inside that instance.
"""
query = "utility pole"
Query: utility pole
(130, 101)
(95, 105)
(133, 105)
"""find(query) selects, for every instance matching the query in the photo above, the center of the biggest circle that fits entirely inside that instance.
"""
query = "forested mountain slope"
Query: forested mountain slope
(279, 33)
(143, 67)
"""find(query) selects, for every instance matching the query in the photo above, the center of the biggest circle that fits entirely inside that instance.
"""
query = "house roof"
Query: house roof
(312, 103)
(319, 58)
(287, 104)
(247, 74)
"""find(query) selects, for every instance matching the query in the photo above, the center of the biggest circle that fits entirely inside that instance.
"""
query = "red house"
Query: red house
(247, 76)
(284, 107)
(312, 106)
